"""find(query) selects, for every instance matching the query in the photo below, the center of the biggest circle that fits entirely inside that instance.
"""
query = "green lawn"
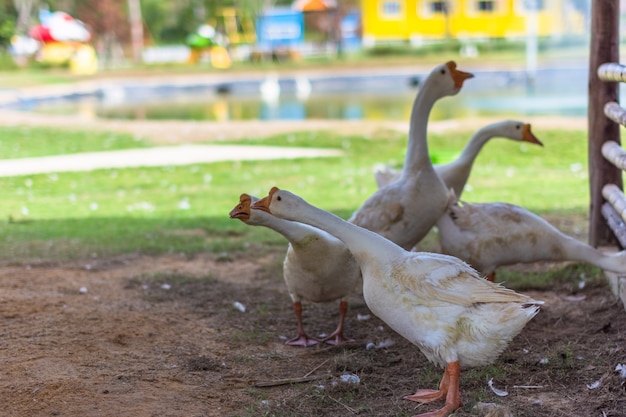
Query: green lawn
(185, 209)
(27, 142)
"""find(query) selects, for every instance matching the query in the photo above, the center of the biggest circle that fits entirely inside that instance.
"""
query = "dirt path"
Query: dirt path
(141, 336)
(157, 156)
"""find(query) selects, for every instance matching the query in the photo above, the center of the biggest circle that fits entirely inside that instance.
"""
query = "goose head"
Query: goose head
(516, 130)
(242, 210)
(278, 202)
(448, 71)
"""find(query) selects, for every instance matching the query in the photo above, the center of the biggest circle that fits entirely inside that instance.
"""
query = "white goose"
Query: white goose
(456, 318)
(405, 210)
(489, 235)
(456, 173)
(317, 267)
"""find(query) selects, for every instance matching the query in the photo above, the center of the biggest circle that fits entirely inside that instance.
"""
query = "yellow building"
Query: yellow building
(422, 21)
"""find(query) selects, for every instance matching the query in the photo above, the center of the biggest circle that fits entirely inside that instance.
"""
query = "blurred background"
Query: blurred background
(302, 59)
(123, 32)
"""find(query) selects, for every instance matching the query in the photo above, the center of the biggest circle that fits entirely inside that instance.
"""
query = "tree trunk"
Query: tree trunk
(136, 29)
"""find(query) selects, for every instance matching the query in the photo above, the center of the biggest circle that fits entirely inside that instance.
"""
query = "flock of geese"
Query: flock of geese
(448, 305)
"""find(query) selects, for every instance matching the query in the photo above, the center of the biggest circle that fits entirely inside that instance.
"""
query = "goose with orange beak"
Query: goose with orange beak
(439, 303)
(317, 268)
(405, 210)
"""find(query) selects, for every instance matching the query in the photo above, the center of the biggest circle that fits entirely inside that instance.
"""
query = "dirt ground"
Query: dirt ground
(144, 336)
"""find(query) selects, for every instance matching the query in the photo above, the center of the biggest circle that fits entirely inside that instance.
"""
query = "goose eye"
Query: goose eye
(443, 71)
(518, 126)
(279, 198)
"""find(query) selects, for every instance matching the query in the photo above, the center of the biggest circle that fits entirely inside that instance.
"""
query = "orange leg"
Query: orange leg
(302, 339)
(491, 277)
(448, 389)
(426, 396)
(337, 337)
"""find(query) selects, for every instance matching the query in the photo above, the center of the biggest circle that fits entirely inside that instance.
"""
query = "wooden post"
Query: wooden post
(136, 29)
(604, 47)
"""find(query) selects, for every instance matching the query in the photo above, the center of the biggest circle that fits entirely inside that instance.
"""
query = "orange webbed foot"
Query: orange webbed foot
(302, 340)
(425, 396)
(336, 339)
(442, 412)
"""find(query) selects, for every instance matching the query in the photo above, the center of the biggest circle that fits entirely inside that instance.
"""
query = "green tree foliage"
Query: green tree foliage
(7, 24)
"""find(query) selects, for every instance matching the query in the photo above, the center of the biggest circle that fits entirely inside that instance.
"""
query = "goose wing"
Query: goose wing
(381, 211)
(437, 279)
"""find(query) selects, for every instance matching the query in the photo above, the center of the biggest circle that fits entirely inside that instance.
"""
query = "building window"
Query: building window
(391, 9)
(438, 7)
(486, 6)
(434, 8)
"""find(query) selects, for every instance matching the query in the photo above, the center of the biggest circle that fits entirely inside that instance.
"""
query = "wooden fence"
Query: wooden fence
(607, 158)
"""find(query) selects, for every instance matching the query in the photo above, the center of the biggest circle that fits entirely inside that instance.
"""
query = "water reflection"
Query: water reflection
(558, 91)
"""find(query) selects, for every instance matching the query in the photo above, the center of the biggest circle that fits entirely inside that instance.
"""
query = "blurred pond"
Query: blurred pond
(374, 96)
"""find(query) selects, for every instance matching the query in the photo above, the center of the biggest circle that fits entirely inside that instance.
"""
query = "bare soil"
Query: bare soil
(162, 336)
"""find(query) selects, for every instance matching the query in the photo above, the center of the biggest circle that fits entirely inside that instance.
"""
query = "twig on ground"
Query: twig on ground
(286, 381)
(316, 368)
(350, 409)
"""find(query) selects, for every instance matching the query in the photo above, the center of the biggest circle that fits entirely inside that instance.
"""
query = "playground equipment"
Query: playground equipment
(220, 36)
(64, 40)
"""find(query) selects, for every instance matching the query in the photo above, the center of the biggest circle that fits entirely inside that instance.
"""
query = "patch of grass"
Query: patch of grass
(562, 360)
(28, 142)
(7, 63)
(570, 276)
(14, 77)
(478, 379)
(184, 209)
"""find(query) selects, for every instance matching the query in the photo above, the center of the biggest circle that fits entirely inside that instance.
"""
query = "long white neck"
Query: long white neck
(417, 149)
(580, 251)
(475, 144)
(292, 231)
(456, 173)
(361, 242)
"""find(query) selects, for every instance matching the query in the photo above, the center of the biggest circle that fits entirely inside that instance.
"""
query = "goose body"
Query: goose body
(405, 210)
(456, 173)
(439, 303)
(489, 235)
(317, 267)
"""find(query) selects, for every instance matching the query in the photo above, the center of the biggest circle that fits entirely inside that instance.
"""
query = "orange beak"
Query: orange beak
(457, 75)
(527, 136)
(242, 210)
(264, 203)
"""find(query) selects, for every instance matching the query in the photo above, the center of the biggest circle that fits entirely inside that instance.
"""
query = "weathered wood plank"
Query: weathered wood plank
(612, 72)
(615, 112)
(615, 154)
(604, 48)
(615, 222)
(615, 196)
